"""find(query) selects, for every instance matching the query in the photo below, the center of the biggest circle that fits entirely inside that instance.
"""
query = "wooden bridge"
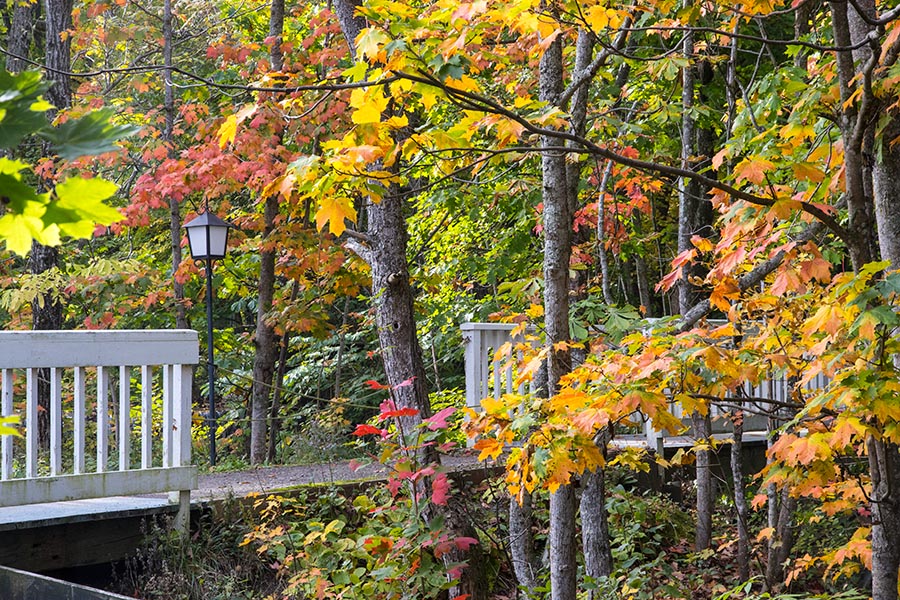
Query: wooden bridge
(112, 430)
(490, 373)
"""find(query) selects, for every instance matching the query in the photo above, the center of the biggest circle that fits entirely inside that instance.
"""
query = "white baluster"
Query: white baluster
(55, 421)
(31, 423)
(124, 418)
(146, 416)
(167, 417)
(102, 419)
(79, 437)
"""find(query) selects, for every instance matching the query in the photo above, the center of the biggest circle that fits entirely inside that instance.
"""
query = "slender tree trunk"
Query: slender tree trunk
(557, 252)
(274, 421)
(265, 341)
(20, 36)
(598, 560)
(168, 137)
(47, 313)
(705, 485)
(524, 559)
(740, 502)
(884, 457)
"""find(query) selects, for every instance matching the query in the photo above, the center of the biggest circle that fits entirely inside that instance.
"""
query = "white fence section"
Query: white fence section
(486, 376)
(119, 416)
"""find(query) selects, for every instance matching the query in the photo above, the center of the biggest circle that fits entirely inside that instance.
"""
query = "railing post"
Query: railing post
(102, 419)
(181, 424)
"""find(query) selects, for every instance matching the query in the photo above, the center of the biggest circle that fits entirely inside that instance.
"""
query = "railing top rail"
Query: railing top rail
(98, 348)
(470, 326)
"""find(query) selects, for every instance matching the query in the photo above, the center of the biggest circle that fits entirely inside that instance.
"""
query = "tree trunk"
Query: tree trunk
(265, 341)
(598, 560)
(557, 251)
(20, 36)
(705, 485)
(175, 234)
(884, 458)
(521, 544)
(740, 502)
(47, 313)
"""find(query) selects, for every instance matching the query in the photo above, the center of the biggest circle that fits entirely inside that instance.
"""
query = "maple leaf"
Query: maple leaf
(808, 172)
(488, 448)
(333, 211)
(753, 169)
(440, 489)
(369, 104)
(227, 130)
(366, 429)
(439, 419)
(787, 280)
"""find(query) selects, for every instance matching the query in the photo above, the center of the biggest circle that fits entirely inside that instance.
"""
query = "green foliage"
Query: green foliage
(385, 543)
(211, 564)
(76, 205)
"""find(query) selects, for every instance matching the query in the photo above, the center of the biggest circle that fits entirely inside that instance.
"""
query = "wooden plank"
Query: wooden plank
(146, 417)
(102, 418)
(181, 415)
(166, 427)
(61, 488)
(6, 409)
(55, 421)
(31, 422)
(79, 431)
(23, 349)
(124, 418)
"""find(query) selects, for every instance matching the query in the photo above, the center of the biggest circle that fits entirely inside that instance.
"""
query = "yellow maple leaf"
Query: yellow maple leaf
(227, 130)
(369, 104)
(333, 211)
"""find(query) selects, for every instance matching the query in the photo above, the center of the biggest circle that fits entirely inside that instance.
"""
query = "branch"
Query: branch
(751, 38)
(313, 87)
(477, 102)
(751, 279)
(361, 250)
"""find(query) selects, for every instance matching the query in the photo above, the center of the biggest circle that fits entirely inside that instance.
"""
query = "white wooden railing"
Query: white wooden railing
(490, 375)
(98, 443)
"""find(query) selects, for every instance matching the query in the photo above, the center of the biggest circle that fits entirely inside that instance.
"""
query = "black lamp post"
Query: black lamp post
(208, 240)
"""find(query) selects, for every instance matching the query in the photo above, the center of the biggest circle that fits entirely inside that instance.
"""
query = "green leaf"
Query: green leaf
(91, 134)
(19, 230)
(15, 194)
(85, 197)
(8, 425)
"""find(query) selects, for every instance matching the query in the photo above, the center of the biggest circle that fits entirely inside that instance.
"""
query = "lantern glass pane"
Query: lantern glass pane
(218, 239)
(197, 241)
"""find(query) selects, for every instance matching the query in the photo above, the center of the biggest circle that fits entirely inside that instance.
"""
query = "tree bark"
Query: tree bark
(264, 340)
(884, 457)
(740, 502)
(557, 251)
(598, 560)
(168, 137)
(705, 485)
(20, 36)
(521, 544)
